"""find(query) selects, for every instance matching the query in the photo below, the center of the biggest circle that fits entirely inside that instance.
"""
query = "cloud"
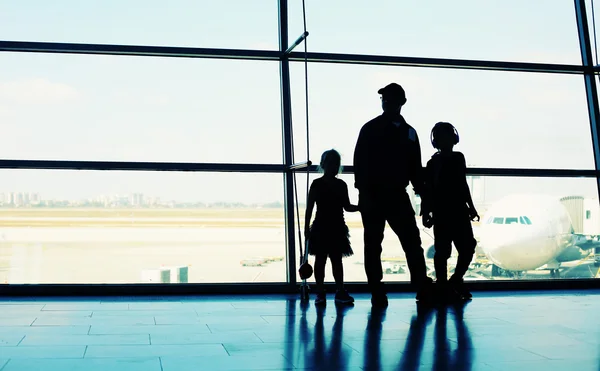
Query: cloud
(37, 91)
(412, 79)
(5, 111)
(265, 45)
(144, 99)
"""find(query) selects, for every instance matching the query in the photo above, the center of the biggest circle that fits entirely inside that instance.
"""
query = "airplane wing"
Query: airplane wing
(586, 242)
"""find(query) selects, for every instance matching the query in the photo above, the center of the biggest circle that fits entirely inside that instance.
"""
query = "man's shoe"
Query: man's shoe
(426, 294)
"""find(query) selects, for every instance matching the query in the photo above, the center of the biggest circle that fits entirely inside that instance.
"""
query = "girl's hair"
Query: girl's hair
(328, 157)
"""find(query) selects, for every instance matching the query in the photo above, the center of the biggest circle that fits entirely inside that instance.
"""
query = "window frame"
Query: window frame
(289, 165)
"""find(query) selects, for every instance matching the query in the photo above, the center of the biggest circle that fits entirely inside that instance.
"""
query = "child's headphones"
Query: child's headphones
(443, 125)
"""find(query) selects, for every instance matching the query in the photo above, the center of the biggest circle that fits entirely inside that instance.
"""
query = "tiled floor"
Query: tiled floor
(496, 331)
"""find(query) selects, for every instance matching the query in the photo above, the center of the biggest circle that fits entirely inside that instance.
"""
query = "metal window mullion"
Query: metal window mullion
(259, 168)
(589, 80)
(140, 166)
(137, 50)
(286, 121)
(276, 55)
(470, 64)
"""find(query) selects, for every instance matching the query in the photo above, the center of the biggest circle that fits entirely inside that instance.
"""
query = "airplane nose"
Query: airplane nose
(518, 249)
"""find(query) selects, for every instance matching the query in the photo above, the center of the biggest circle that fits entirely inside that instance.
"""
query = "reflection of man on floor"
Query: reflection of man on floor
(372, 344)
(444, 358)
(411, 354)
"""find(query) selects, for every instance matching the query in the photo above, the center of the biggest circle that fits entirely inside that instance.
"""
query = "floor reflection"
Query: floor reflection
(445, 346)
(372, 345)
(447, 354)
(321, 354)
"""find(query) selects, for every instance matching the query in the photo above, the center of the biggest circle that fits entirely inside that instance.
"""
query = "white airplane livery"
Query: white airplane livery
(526, 232)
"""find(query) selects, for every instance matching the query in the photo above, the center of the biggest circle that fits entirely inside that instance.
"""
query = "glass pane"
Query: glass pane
(534, 31)
(594, 31)
(80, 107)
(541, 249)
(505, 119)
(140, 227)
(237, 24)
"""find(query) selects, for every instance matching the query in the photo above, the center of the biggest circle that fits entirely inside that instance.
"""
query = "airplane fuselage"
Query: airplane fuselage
(525, 232)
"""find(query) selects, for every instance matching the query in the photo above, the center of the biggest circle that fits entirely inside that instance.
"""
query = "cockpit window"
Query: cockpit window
(498, 220)
(509, 220)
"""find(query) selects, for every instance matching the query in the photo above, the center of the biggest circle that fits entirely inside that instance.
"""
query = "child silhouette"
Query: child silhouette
(450, 210)
(329, 236)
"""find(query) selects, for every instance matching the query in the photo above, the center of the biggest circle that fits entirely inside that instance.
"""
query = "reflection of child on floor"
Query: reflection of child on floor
(329, 236)
(450, 210)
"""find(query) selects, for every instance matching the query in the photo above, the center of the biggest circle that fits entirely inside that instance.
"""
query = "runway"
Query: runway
(214, 249)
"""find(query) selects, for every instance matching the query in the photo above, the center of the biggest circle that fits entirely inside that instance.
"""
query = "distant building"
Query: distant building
(35, 198)
(136, 199)
(19, 199)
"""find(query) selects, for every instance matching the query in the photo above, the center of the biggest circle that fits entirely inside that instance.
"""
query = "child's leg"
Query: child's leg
(443, 248)
(341, 296)
(465, 245)
(337, 269)
(319, 271)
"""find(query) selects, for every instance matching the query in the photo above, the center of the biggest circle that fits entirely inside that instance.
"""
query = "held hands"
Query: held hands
(473, 214)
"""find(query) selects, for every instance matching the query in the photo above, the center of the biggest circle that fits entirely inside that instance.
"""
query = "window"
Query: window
(76, 227)
(511, 221)
(498, 221)
(143, 226)
(542, 118)
(594, 34)
(78, 107)
(237, 24)
(509, 30)
(524, 220)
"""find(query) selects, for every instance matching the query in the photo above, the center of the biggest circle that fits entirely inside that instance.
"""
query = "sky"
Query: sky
(77, 107)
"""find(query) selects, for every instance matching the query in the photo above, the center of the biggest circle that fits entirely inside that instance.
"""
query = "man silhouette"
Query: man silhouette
(387, 156)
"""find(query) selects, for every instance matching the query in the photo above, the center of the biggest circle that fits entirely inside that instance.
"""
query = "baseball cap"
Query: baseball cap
(393, 90)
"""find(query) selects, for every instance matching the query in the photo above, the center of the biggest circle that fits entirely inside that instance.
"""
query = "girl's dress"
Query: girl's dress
(329, 234)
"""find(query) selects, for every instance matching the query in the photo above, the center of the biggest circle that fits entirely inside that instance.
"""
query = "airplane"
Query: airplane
(524, 232)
